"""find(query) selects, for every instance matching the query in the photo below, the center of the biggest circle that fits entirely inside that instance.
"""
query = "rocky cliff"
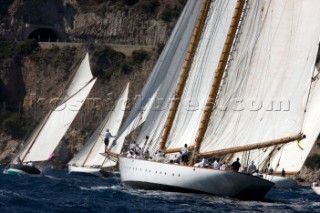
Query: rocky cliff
(32, 73)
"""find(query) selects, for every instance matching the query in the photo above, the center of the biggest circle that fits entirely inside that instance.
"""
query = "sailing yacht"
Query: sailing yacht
(88, 161)
(267, 54)
(46, 137)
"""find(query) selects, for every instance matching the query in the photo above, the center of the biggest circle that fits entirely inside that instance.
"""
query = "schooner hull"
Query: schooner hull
(137, 173)
(85, 171)
(22, 170)
(281, 182)
(316, 189)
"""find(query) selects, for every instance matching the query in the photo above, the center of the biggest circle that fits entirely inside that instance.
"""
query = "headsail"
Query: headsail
(89, 155)
(166, 71)
(47, 136)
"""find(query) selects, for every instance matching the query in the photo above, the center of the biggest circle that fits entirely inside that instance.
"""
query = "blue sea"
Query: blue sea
(56, 191)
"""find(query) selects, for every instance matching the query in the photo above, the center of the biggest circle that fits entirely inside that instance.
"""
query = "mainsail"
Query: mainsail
(89, 155)
(291, 157)
(48, 134)
(199, 81)
(264, 94)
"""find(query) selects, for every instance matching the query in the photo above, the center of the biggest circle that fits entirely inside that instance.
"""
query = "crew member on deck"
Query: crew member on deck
(107, 136)
(235, 166)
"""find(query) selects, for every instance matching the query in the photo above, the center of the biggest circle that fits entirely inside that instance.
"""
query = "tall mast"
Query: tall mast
(185, 71)
(218, 77)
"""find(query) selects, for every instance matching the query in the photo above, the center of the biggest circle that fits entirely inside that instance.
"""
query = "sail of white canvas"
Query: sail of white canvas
(201, 75)
(117, 145)
(266, 86)
(166, 70)
(48, 134)
(89, 155)
(292, 156)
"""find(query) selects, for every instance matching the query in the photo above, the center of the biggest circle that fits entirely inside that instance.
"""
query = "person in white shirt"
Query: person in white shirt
(133, 146)
(107, 136)
(30, 163)
(216, 164)
(252, 168)
(204, 163)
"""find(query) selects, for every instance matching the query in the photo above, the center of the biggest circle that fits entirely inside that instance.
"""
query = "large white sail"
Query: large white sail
(151, 174)
(89, 155)
(166, 71)
(292, 156)
(273, 65)
(140, 119)
(47, 136)
(201, 75)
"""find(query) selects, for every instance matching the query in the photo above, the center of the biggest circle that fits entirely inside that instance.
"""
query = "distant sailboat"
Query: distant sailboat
(266, 55)
(88, 161)
(45, 138)
(316, 188)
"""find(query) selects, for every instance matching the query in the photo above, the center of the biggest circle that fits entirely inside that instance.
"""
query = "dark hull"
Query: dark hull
(23, 169)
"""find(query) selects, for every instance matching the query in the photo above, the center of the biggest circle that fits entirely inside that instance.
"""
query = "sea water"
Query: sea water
(57, 191)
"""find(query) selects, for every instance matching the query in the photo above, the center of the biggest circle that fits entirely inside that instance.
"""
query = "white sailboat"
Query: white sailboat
(88, 161)
(157, 175)
(316, 187)
(266, 55)
(45, 138)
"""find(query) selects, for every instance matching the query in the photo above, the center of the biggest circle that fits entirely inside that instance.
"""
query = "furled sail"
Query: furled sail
(47, 136)
(166, 71)
(266, 85)
(89, 155)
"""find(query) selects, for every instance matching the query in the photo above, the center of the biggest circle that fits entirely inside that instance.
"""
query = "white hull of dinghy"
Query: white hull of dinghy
(316, 188)
(137, 173)
(85, 171)
(281, 182)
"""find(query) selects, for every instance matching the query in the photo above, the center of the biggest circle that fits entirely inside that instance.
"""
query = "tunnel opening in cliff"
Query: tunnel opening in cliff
(44, 35)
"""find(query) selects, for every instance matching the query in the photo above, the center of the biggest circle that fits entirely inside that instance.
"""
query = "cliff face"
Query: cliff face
(120, 22)
(31, 75)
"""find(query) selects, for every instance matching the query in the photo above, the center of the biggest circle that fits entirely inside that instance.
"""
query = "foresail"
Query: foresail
(264, 93)
(89, 155)
(166, 71)
(201, 75)
(56, 126)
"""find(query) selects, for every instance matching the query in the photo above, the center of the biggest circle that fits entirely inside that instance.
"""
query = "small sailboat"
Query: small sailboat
(45, 138)
(266, 55)
(88, 161)
(316, 187)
